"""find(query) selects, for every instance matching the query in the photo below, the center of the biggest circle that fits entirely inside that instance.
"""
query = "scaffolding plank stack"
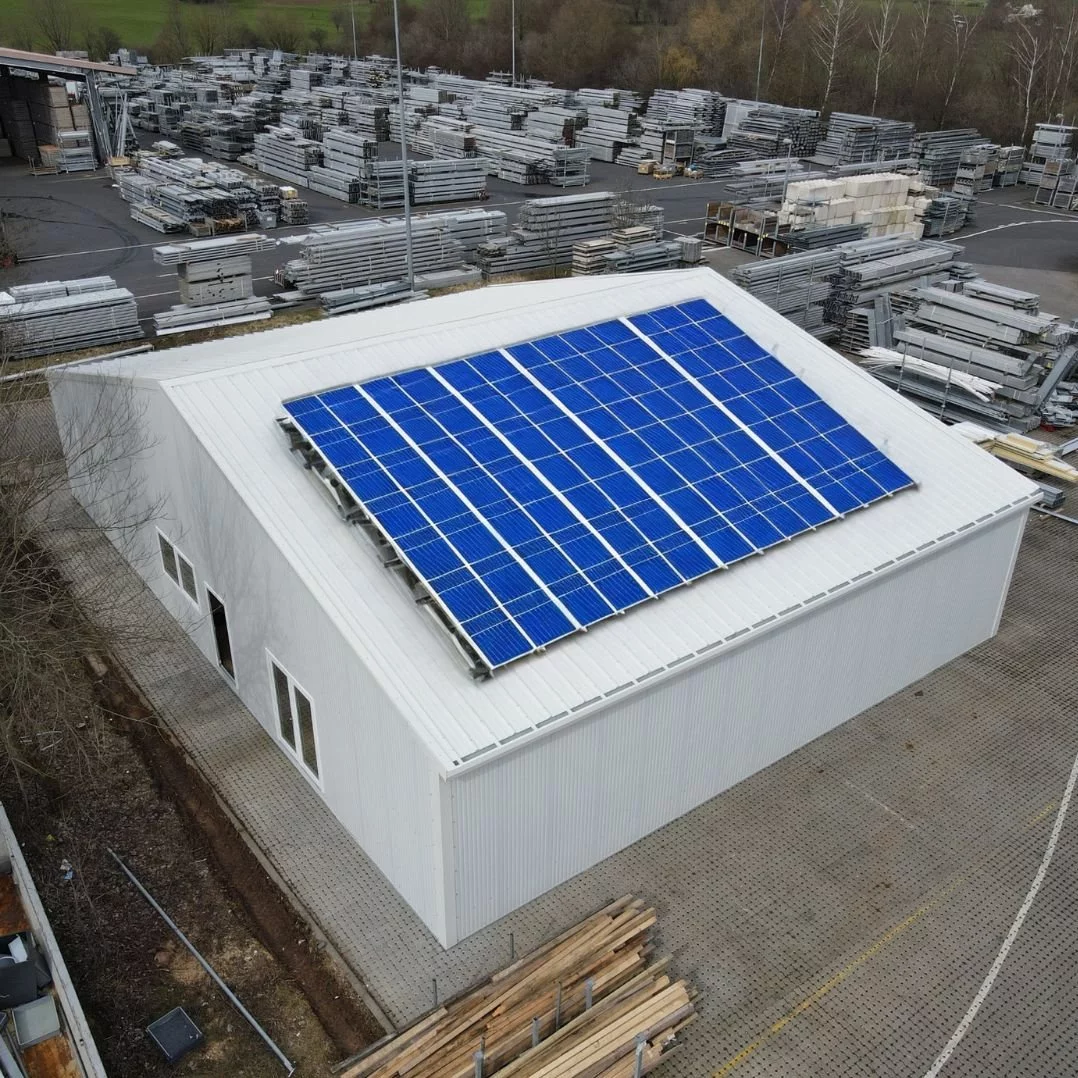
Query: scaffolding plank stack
(63, 316)
(546, 230)
(371, 252)
(447, 180)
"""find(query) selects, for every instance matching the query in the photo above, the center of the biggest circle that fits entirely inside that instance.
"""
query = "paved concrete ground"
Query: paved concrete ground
(78, 226)
(837, 911)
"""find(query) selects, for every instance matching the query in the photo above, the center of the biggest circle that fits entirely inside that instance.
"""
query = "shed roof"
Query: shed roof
(230, 392)
(57, 65)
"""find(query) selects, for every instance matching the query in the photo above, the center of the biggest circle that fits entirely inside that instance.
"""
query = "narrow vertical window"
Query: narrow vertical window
(306, 732)
(168, 558)
(284, 706)
(187, 579)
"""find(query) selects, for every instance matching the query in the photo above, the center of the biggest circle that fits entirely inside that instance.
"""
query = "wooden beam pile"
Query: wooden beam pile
(533, 1019)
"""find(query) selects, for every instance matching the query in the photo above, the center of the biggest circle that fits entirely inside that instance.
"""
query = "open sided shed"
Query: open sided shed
(18, 110)
(475, 794)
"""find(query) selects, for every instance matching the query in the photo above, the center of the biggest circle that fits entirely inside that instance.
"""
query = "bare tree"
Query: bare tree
(834, 25)
(1028, 51)
(960, 30)
(174, 34)
(783, 11)
(1065, 41)
(922, 22)
(281, 29)
(881, 33)
(47, 711)
(209, 28)
(55, 23)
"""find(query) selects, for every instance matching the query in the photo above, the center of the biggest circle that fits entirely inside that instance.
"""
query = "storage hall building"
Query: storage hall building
(516, 576)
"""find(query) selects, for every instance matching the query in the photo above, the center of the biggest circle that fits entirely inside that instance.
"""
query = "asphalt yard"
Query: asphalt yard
(77, 225)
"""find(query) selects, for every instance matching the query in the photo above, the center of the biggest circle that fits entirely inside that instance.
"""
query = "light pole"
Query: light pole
(513, 34)
(355, 49)
(404, 151)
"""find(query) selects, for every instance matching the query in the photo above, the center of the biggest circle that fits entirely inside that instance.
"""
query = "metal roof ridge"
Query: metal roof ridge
(616, 282)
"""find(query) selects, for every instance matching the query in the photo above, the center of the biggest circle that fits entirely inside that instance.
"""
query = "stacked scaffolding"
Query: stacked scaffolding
(871, 269)
(1051, 142)
(63, 316)
(938, 153)
(371, 252)
(634, 249)
(776, 131)
(982, 353)
(546, 230)
(215, 283)
(447, 180)
(852, 138)
(797, 286)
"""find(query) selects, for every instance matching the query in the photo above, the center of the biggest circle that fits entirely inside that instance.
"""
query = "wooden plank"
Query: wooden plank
(373, 1059)
(50, 1059)
(630, 998)
(12, 915)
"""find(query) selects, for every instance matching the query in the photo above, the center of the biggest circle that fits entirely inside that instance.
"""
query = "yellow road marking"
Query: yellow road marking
(828, 986)
(836, 980)
(1046, 811)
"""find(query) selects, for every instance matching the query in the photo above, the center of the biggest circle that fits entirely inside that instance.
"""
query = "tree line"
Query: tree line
(997, 65)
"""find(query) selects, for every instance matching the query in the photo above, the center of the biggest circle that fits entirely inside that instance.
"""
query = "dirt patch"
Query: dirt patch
(144, 800)
(345, 1019)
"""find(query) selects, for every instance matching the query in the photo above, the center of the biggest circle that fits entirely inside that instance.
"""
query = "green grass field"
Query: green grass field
(138, 22)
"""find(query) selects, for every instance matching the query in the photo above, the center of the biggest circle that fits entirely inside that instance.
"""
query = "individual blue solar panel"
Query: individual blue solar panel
(544, 487)
(833, 457)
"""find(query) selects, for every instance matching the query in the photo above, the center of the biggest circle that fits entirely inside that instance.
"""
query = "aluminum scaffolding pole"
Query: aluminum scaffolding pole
(404, 150)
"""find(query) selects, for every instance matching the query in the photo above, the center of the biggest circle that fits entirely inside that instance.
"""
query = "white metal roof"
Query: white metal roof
(230, 393)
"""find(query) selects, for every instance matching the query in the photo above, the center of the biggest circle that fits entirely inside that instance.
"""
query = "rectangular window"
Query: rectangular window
(187, 578)
(168, 558)
(179, 569)
(306, 731)
(295, 718)
(284, 706)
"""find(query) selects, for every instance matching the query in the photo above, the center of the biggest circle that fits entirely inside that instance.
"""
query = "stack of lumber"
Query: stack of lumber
(532, 1020)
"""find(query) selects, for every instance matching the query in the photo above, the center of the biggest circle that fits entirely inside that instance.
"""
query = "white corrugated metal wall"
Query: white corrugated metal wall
(377, 778)
(536, 816)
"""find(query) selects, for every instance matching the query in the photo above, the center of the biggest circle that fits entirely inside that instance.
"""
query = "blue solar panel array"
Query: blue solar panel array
(543, 487)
